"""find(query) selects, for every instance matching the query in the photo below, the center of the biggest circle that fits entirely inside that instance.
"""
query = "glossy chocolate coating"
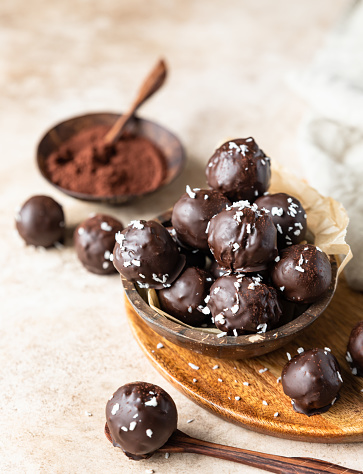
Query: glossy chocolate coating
(241, 305)
(94, 240)
(355, 349)
(288, 215)
(242, 238)
(312, 380)
(302, 274)
(185, 298)
(239, 169)
(141, 418)
(146, 254)
(40, 221)
(192, 213)
(193, 257)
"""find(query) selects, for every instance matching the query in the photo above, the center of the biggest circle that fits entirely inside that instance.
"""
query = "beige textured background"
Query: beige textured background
(65, 343)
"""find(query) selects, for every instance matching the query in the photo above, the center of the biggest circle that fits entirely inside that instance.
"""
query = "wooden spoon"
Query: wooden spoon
(151, 84)
(180, 442)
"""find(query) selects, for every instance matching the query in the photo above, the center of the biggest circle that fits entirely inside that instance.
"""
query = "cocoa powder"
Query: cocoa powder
(133, 165)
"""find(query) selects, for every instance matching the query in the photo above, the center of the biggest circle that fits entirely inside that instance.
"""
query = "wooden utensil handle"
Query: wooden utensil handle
(179, 442)
(151, 84)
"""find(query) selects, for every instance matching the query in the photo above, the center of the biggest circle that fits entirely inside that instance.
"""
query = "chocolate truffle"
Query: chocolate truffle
(141, 418)
(40, 221)
(241, 304)
(288, 215)
(302, 273)
(312, 380)
(192, 213)
(242, 238)
(145, 254)
(355, 349)
(240, 170)
(94, 240)
(185, 298)
(193, 257)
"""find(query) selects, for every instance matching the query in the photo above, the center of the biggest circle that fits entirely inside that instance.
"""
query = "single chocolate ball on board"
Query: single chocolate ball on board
(288, 215)
(312, 380)
(94, 240)
(192, 213)
(146, 254)
(141, 418)
(185, 298)
(241, 305)
(242, 238)
(240, 170)
(355, 349)
(302, 273)
(40, 222)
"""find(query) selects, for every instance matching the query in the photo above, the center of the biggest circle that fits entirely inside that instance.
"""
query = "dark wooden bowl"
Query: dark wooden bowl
(227, 347)
(168, 143)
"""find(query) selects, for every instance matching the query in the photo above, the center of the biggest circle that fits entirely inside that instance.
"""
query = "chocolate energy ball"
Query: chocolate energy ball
(192, 213)
(355, 349)
(40, 221)
(185, 298)
(146, 254)
(288, 215)
(302, 273)
(141, 418)
(312, 380)
(239, 169)
(94, 240)
(241, 305)
(242, 238)
(193, 257)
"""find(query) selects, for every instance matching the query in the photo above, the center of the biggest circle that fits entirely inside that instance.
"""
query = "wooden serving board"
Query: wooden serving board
(216, 389)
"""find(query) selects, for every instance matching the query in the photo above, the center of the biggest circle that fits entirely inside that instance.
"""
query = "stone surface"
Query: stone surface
(65, 344)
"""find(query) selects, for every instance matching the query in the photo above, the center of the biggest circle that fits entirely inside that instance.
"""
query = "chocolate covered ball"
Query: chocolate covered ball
(193, 257)
(355, 349)
(242, 238)
(185, 298)
(141, 418)
(240, 170)
(94, 240)
(146, 254)
(192, 213)
(288, 215)
(241, 305)
(40, 221)
(312, 380)
(302, 273)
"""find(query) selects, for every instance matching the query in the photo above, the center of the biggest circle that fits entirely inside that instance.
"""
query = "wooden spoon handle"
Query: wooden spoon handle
(180, 442)
(151, 84)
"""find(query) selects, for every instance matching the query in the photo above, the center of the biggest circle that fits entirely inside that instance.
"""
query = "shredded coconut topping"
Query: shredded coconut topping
(149, 433)
(106, 227)
(151, 403)
(190, 193)
(137, 225)
(193, 366)
(115, 409)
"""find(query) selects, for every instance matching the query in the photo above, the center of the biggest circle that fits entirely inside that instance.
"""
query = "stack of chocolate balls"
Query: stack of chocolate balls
(232, 255)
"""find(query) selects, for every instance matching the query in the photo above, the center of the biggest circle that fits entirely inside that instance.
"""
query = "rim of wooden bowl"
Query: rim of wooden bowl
(169, 144)
(223, 347)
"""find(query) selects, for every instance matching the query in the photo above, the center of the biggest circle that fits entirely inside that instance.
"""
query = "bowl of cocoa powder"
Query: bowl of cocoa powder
(72, 157)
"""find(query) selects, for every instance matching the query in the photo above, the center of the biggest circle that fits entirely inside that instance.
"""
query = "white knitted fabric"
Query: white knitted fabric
(331, 136)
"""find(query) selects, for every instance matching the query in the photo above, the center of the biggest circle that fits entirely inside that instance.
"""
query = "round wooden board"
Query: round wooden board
(216, 388)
